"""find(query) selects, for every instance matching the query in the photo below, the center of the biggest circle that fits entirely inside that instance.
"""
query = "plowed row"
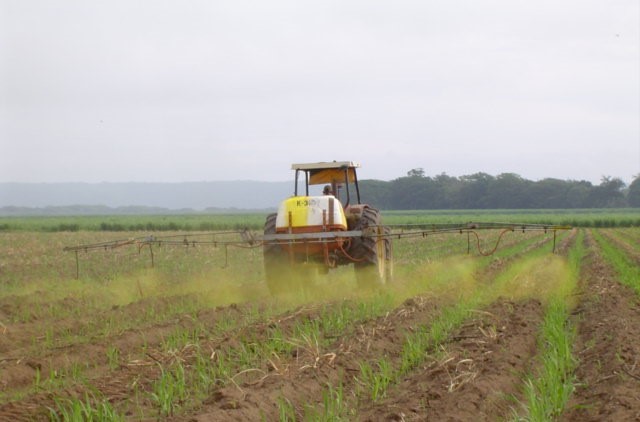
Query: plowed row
(303, 361)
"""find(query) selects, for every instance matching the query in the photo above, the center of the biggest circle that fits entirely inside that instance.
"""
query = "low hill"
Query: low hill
(154, 197)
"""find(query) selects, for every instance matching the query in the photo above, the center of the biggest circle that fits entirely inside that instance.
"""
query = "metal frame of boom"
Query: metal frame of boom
(248, 239)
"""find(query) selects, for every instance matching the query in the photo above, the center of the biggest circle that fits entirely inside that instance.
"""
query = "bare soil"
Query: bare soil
(477, 374)
(608, 347)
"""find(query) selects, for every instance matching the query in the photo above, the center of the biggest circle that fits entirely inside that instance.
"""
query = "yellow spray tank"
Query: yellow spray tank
(310, 213)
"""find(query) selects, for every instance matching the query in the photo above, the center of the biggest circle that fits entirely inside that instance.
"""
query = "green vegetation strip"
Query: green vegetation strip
(184, 385)
(548, 392)
(592, 217)
(148, 223)
(628, 271)
(376, 377)
(628, 238)
(89, 409)
(588, 217)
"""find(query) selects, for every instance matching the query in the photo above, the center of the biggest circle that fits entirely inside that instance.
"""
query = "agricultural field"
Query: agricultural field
(608, 217)
(522, 334)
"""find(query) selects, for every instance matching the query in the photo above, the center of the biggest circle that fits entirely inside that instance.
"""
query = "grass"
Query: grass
(78, 410)
(170, 391)
(182, 337)
(113, 357)
(628, 271)
(187, 284)
(286, 411)
(124, 223)
(548, 391)
(333, 407)
(608, 217)
(186, 383)
(591, 217)
(376, 380)
(427, 338)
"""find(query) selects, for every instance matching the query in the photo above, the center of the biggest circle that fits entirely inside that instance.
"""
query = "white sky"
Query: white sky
(170, 91)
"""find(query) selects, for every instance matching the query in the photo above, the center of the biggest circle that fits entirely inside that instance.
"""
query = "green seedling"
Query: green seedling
(376, 381)
(170, 390)
(89, 409)
(113, 357)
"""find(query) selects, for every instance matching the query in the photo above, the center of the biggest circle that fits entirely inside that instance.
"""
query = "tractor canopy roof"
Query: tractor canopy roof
(328, 172)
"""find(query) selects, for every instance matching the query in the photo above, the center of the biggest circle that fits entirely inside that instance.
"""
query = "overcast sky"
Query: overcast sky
(171, 91)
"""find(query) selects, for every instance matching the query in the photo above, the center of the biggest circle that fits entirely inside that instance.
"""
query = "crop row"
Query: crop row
(598, 218)
(182, 383)
(626, 265)
(183, 370)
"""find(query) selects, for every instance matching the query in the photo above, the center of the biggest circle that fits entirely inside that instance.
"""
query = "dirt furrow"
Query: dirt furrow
(623, 244)
(146, 357)
(475, 376)
(510, 332)
(23, 352)
(607, 347)
(301, 379)
(139, 353)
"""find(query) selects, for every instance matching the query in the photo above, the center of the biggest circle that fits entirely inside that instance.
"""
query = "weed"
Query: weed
(286, 411)
(76, 372)
(377, 381)
(182, 337)
(416, 344)
(113, 357)
(547, 394)
(333, 407)
(627, 269)
(89, 409)
(170, 390)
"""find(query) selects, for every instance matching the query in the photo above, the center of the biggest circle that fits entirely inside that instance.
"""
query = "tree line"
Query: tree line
(504, 191)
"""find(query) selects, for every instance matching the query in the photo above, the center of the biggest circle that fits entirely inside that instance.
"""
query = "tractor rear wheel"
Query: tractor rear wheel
(373, 255)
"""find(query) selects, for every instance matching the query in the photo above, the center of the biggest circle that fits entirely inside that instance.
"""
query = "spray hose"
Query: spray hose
(502, 233)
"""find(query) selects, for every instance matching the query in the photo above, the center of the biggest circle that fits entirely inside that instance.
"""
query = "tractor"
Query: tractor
(316, 230)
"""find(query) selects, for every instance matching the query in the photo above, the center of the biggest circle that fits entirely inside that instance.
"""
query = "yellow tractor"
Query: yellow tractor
(324, 225)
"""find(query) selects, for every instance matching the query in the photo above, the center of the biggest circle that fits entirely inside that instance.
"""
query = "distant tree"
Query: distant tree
(608, 194)
(432, 193)
(376, 193)
(509, 190)
(578, 194)
(472, 193)
(633, 195)
(549, 193)
(410, 193)
(449, 187)
(417, 172)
